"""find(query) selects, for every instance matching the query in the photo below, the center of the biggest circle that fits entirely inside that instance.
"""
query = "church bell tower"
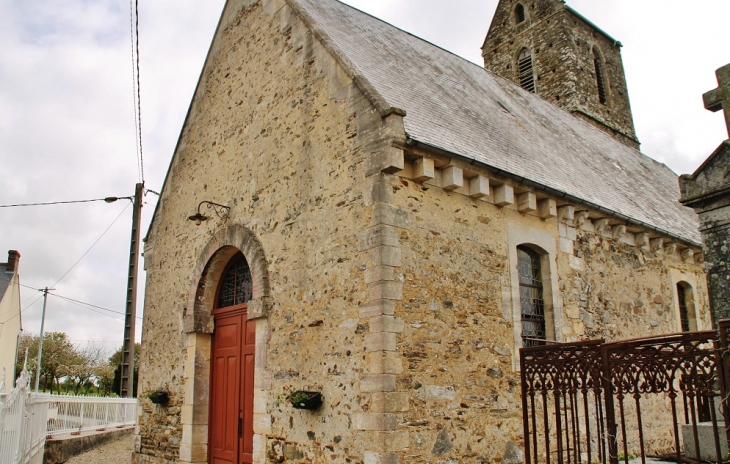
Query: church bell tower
(550, 49)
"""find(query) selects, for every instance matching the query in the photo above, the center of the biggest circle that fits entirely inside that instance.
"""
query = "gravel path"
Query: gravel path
(115, 452)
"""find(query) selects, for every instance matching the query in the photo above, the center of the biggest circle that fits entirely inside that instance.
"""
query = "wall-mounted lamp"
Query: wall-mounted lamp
(220, 210)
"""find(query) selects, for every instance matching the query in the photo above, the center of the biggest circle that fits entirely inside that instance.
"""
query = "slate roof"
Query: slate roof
(459, 107)
(5, 278)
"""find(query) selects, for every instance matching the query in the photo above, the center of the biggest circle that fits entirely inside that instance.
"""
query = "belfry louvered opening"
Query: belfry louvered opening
(600, 79)
(524, 66)
(519, 13)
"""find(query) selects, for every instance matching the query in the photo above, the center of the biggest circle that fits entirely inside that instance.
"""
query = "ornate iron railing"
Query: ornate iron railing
(594, 401)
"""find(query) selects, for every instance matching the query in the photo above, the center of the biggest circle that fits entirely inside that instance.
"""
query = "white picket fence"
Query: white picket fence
(22, 423)
(76, 414)
(27, 419)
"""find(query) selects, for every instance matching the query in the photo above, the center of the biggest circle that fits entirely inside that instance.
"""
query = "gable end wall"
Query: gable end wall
(280, 134)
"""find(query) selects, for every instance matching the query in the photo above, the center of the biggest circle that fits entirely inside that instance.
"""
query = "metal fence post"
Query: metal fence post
(609, 412)
(723, 365)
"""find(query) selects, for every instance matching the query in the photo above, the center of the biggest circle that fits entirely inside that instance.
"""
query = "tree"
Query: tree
(85, 365)
(27, 343)
(104, 375)
(58, 353)
(81, 368)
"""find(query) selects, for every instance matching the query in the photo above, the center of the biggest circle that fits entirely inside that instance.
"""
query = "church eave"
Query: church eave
(552, 192)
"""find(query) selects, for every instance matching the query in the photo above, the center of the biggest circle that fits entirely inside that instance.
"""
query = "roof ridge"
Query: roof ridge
(456, 55)
(482, 68)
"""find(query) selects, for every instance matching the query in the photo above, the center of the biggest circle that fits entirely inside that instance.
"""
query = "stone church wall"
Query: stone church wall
(394, 298)
(461, 332)
(277, 132)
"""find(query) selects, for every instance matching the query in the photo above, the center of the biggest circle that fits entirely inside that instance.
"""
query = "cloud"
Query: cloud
(66, 85)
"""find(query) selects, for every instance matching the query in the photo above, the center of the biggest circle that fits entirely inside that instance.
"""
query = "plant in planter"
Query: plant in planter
(305, 400)
(159, 397)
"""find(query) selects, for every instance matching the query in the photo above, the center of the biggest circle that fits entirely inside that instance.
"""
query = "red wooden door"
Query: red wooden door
(231, 387)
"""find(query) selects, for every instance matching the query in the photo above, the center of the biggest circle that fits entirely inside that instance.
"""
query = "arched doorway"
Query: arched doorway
(230, 433)
(199, 323)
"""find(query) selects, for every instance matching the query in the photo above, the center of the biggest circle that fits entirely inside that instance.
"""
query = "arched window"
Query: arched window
(524, 67)
(600, 77)
(532, 301)
(519, 13)
(685, 298)
(236, 286)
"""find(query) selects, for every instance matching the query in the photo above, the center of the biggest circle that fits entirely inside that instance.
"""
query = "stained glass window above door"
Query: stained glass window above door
(237, 285)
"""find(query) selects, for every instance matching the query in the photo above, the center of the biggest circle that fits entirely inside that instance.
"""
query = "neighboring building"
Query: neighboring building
(10, 319)
(398, 222)
(707, 191)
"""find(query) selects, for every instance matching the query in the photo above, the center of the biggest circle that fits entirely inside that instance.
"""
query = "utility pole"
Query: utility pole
(126, 389)
(40, 340)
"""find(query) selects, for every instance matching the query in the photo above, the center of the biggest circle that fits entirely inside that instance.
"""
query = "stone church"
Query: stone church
(353, 211)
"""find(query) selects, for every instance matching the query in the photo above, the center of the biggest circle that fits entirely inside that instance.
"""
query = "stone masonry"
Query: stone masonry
(384, 273)
(562, 44)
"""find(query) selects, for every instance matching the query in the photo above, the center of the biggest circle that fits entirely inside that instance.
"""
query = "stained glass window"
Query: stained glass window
(683, 311)
(532, 302)
(236, 286)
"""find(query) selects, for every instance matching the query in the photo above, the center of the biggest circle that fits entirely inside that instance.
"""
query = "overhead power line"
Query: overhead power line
(26, 306)
(136, 94)
(83, 304)
(91, 307)
(92, 245)
(59, 202)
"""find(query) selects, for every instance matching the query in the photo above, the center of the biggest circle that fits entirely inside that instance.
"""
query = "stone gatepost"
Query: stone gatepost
(707, 191)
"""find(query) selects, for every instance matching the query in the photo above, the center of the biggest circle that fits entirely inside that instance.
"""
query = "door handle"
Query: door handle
(240, 427)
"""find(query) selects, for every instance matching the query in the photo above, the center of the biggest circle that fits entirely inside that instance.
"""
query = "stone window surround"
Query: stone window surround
(596, 53)
(519, 18)
(686, 303)
(540, 256)
(545, 244)
(516, 64)
(198, 326)
(690, 282)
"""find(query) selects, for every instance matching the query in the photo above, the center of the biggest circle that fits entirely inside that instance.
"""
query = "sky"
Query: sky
(67, 121)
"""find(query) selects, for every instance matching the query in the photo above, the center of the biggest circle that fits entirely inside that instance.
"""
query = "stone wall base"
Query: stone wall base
(63, 449)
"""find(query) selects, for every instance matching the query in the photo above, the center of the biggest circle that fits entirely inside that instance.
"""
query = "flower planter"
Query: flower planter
(159, 397)
(306, 400)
